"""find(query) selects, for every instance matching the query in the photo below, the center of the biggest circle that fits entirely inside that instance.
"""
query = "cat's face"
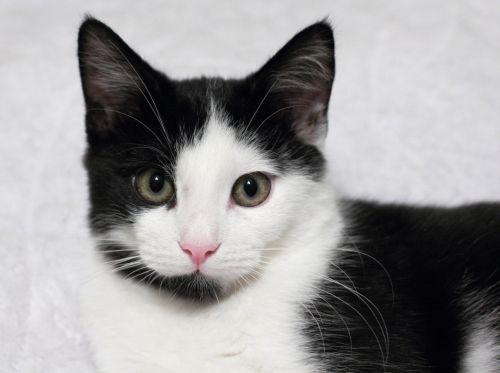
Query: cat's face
(196, 185)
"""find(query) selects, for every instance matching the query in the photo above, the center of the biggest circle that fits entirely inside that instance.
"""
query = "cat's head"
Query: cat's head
(195, 185)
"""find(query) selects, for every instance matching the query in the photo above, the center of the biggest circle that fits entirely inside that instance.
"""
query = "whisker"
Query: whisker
(133, 118)
(318, 325)
(371, 307)
(362, 318)
(359, 252)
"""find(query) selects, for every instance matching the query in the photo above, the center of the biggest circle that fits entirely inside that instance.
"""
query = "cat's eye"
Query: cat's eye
(153, 186)
(251, 189)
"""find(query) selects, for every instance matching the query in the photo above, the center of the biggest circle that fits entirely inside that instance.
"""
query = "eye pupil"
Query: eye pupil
(156, 182)
(154, 187)
(250, 187)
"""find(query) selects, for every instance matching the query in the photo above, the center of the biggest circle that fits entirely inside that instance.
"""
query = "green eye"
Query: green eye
(251, 189)
(153, 186)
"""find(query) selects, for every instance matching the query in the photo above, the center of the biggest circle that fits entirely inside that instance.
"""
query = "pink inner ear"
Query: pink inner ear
(302, 74)
(102, 115)
(310, 123)
(107, 104)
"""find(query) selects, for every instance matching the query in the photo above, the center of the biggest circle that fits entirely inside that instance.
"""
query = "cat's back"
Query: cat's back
(413, 289)
(451, 241)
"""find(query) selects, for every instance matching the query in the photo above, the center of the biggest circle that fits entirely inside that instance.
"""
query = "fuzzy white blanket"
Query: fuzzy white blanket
(415, 117)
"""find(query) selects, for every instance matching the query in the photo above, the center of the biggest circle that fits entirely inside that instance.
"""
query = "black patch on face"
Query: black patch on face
(138, 118)
(194, 286)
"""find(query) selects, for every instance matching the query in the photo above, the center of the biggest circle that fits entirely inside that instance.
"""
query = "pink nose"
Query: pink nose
(198, 253)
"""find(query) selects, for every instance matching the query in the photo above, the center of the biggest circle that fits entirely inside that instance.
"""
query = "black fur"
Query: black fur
(430, 272)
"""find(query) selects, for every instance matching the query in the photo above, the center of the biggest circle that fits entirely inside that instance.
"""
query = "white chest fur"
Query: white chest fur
(134, 329)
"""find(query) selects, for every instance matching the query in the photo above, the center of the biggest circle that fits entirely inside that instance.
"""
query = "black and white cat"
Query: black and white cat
(221, 246)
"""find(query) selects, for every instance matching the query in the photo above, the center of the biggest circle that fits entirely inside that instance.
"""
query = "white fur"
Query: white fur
(482, 350)
(269, 260)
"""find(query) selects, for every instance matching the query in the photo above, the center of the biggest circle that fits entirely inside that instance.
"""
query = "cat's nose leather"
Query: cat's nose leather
(199, 253)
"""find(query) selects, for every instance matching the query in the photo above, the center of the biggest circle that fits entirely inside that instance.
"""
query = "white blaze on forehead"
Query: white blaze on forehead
(205, 173)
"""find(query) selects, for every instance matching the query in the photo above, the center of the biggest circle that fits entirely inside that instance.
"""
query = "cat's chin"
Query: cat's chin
(195, 286)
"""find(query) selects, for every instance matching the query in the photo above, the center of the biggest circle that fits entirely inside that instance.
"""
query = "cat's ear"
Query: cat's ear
(115, 80)
(299, 79)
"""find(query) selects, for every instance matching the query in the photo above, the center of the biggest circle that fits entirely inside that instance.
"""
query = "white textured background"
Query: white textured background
(415, 117)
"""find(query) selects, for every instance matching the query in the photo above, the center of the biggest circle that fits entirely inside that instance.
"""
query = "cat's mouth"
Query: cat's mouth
(195, 286)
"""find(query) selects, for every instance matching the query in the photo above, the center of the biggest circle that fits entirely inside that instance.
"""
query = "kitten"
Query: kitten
(221, 246)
